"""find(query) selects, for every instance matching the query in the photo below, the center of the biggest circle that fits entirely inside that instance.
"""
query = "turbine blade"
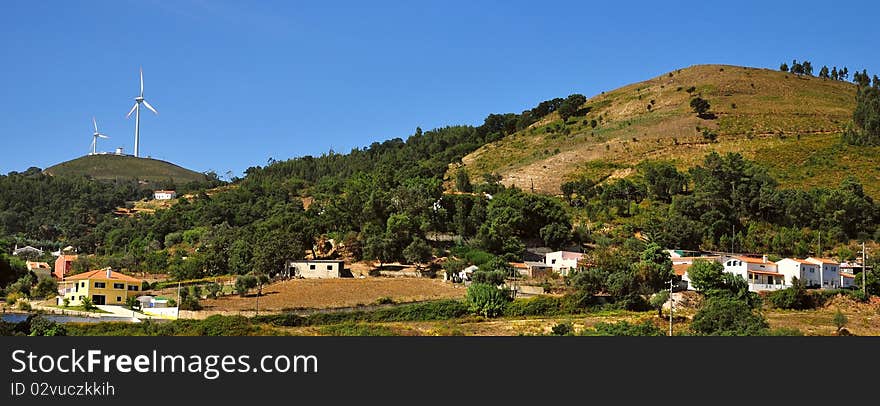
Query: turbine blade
(102, 136)
(150, 107)
(142, 82)
(132, 110)
(95, 122)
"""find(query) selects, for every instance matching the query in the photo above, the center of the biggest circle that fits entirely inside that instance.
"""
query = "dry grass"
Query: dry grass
(333, 293)
(759, 112)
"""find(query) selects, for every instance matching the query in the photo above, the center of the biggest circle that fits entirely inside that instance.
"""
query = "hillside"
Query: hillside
(789, 123)
(110, 167)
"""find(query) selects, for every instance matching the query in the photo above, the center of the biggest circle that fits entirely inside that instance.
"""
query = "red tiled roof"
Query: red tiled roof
(847, 275)
(753, 260)
(824, 260)
(765, 272)
(680, 269)
(102, 274)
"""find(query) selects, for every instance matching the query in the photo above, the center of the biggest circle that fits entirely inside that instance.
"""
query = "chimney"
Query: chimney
(108, 272)
(764, 258)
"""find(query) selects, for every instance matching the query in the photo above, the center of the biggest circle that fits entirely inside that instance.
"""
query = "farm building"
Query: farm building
(313, 269)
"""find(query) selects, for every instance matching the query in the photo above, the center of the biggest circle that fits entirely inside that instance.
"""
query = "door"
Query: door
(98, 299)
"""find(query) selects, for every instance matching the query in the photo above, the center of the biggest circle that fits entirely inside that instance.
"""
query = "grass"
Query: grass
(771, 109)
(111, 167)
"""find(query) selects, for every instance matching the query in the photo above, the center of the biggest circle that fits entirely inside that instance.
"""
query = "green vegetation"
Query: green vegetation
(128, 168)
(624, 328)
(486, 300)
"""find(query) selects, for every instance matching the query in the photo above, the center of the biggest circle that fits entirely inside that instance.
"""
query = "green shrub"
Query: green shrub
(562, 329)
(624, 328)
(218, 325)
(88, 305)
(356, 329)
(24, 305)
(536, 306)
(41, 326)
(793, 298)
(727, 316)
(485, 300)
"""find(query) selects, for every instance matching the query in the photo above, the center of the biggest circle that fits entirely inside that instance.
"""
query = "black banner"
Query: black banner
(414, 370)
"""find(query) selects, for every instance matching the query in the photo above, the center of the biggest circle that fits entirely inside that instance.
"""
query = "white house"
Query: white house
(805, 271)
(164, 194)
(829, 276)
(760, 273)
(563, 262)
(313, 268)
(847, 280)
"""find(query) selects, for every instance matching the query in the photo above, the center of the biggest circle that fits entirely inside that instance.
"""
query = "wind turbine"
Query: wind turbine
(136, 109)
(95, 137)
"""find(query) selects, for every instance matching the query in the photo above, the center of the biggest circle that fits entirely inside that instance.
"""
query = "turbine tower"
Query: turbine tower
(95, 137)
(136, 109)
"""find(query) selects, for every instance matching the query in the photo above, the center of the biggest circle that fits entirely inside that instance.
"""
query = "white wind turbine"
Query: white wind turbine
(95, 137)
(136, 109)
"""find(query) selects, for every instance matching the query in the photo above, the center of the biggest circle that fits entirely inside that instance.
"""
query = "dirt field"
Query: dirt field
(346, 292)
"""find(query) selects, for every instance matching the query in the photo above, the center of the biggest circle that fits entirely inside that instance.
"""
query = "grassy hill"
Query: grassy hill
(110, 167)
(789, 123)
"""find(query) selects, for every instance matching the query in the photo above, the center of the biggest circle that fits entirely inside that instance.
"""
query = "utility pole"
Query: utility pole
(671, 302)
(178, 299)
(864, 271)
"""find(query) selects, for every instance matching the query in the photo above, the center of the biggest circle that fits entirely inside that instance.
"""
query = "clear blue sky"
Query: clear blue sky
(236, 83)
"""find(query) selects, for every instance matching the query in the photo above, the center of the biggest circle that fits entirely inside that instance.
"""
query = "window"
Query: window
(100, 285)
(118, 286)
(329, 267)
(118, 298)
(83, 284)
(133, 287)
(312, 266)
(553, 261)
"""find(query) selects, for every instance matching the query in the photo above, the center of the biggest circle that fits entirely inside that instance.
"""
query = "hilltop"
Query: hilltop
(788, 123)
(111, 167)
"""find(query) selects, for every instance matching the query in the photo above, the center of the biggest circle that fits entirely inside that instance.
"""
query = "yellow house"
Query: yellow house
(102, 286)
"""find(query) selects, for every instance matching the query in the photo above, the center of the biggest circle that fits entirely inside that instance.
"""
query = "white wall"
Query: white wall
(321, 269)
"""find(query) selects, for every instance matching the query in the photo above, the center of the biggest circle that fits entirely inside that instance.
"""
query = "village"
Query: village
(332, 284)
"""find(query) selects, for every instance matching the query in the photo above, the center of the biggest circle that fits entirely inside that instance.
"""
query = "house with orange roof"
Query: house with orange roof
(101, 286)
(63, 265)
(805, 271)
(829, 274)
(760, 273)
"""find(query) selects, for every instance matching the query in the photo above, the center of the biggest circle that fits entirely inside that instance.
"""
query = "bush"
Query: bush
(13, 297)
(24, 305)
(727, 316)
(624, 328)
(88, 305)
(218, 325)
(793, 298)
(485, 300)
(41, 326)
(493, 278)
(562, 329)
(536, 306)
(356, 329)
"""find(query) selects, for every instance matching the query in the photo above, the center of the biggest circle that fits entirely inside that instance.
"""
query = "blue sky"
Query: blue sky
(236, 83)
